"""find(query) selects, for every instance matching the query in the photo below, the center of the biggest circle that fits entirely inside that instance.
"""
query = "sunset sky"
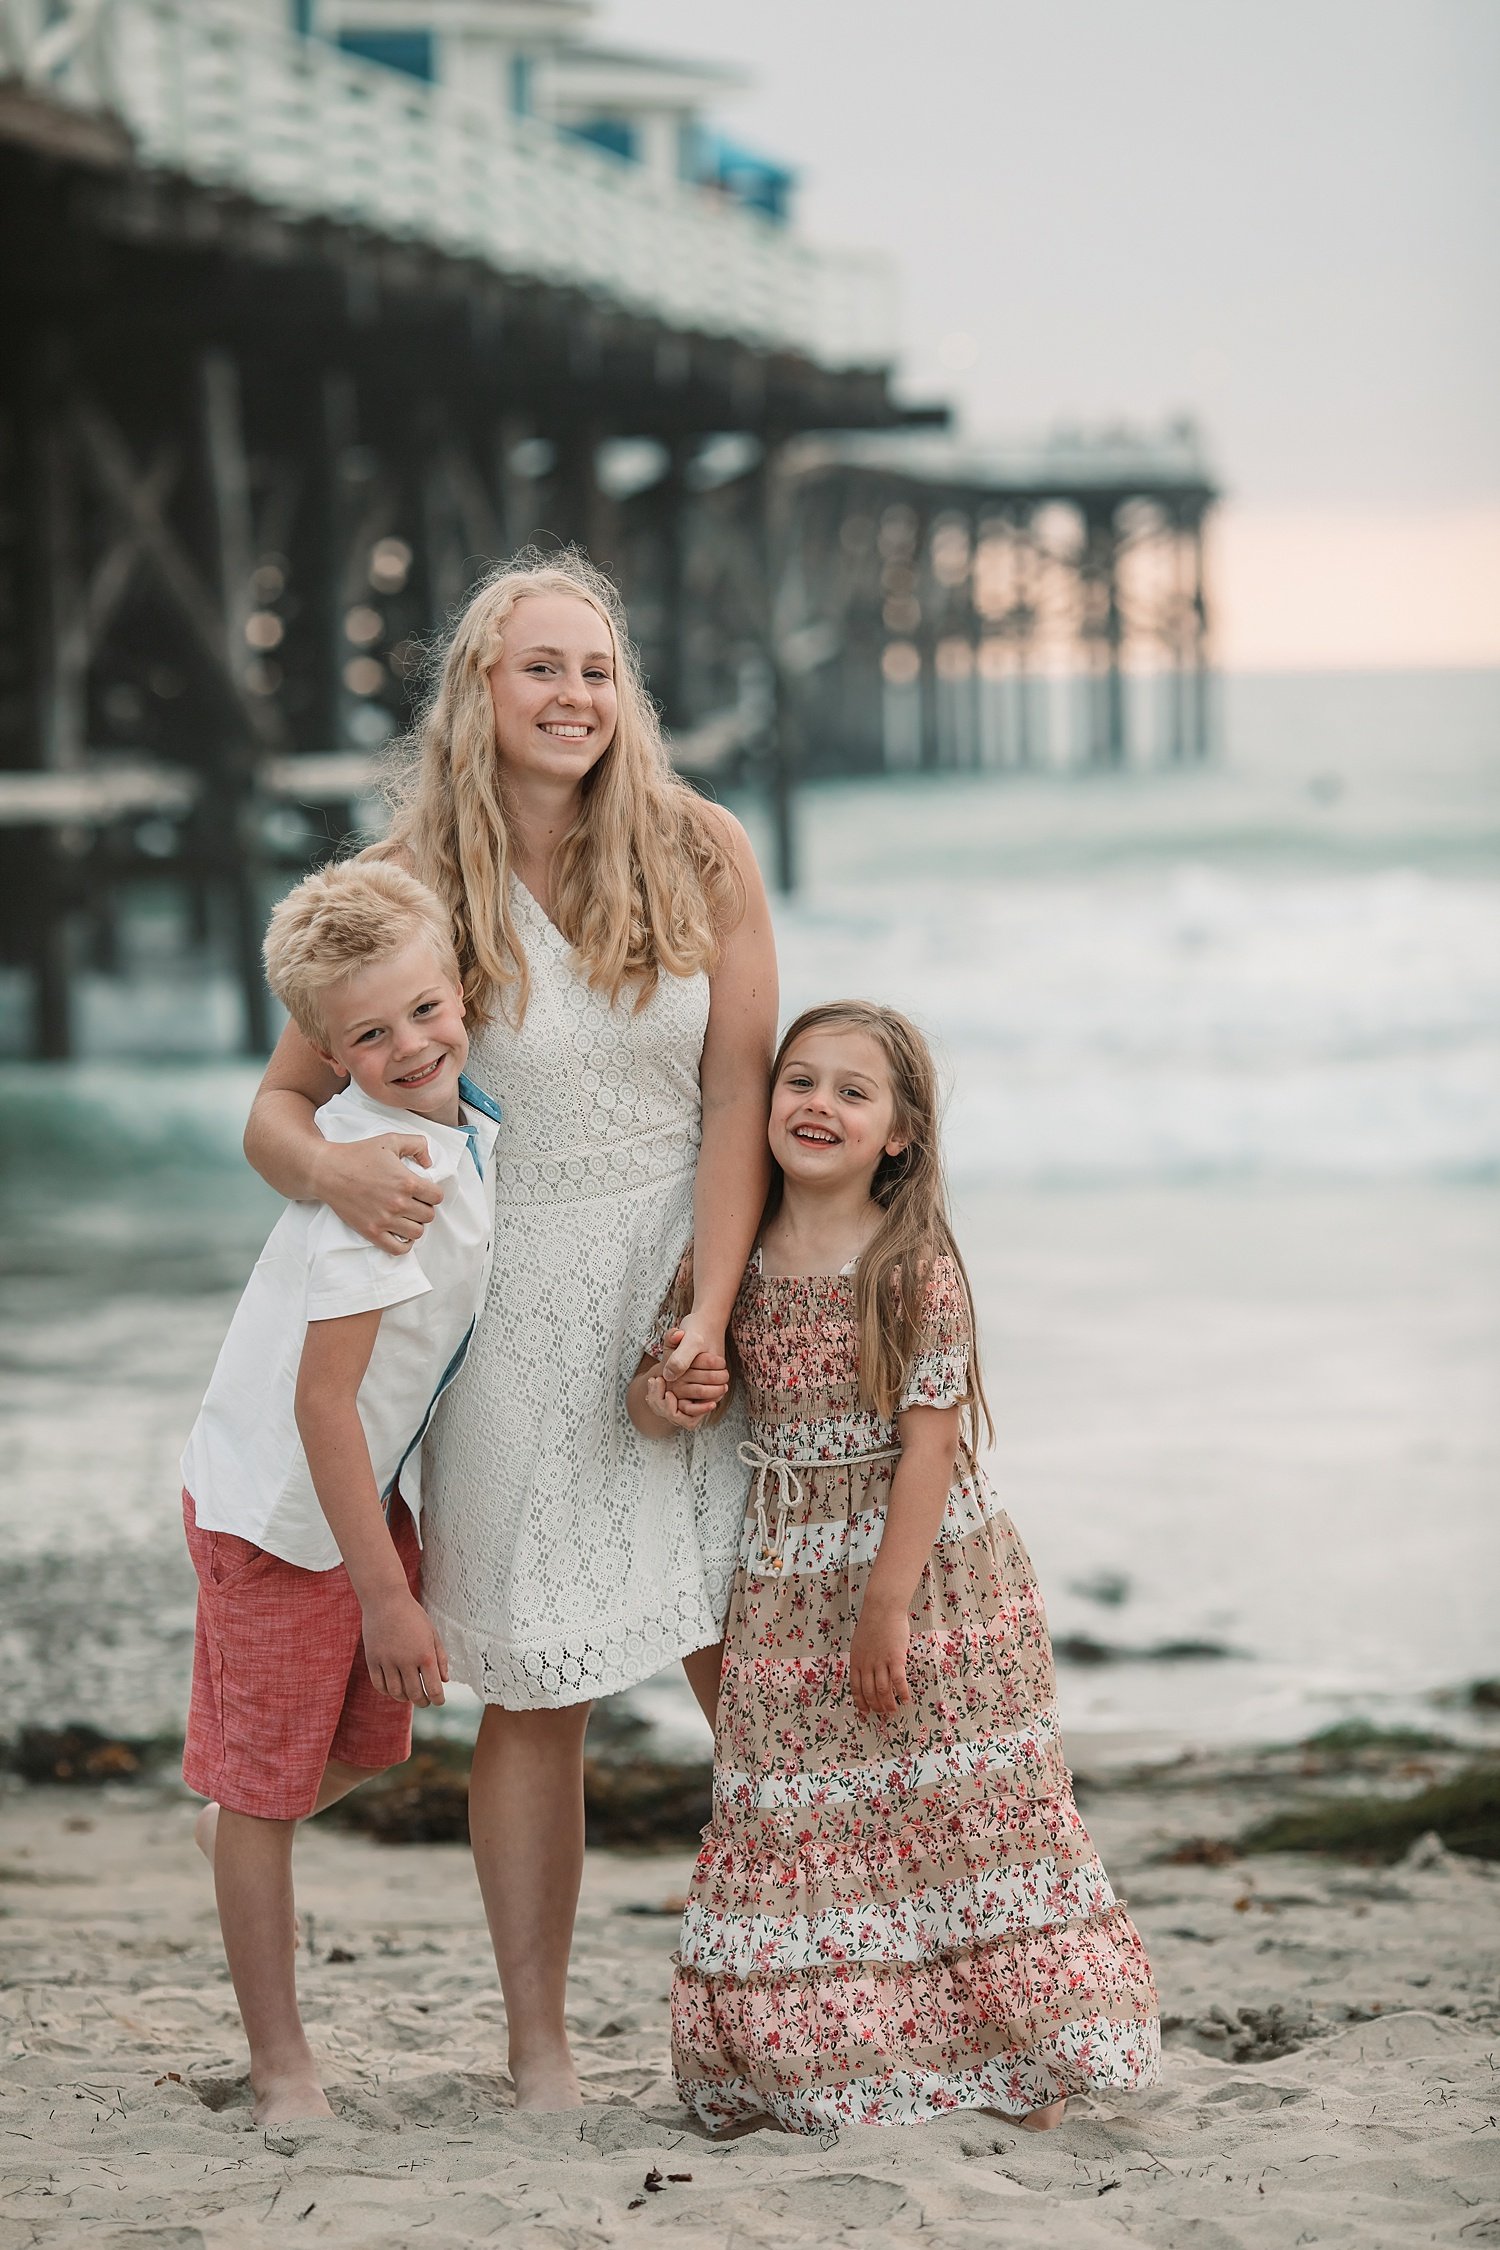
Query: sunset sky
(1280, 215)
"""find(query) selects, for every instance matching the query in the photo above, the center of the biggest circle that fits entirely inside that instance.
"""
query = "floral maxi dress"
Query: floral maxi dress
(890, 1918)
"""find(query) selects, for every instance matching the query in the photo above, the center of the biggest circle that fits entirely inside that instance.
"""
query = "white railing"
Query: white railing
(210, 90)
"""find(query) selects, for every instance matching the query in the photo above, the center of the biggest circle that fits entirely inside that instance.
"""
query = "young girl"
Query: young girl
(897, 1910)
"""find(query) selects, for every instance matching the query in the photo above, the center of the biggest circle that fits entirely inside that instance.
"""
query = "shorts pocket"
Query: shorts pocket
(231, 1560)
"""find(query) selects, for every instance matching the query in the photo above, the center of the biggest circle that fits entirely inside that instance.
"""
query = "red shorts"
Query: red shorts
(280, 1683)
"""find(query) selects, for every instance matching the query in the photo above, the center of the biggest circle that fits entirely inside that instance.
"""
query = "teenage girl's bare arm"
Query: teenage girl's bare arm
(365, 1182)
(913, 1517)
(733, 1161)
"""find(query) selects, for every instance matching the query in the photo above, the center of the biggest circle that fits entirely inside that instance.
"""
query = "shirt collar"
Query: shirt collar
(477, 1098)
(454, 1138)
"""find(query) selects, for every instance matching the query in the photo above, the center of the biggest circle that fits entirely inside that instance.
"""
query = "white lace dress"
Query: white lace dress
(563, 1555)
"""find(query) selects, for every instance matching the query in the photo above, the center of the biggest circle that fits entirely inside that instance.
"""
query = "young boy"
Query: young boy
(301, 1480)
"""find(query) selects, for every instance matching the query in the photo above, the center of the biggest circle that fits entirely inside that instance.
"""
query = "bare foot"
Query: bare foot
(550, 2084)
(1043, 2120)
(288, 2099)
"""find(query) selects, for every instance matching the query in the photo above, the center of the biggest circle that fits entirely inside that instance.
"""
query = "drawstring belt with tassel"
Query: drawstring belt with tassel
(771, 1537)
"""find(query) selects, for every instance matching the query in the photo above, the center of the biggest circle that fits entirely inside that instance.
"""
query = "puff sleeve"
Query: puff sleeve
(939, 1373)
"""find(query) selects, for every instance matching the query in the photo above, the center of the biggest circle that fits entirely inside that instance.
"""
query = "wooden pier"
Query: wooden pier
(302, 343)
(972, 607)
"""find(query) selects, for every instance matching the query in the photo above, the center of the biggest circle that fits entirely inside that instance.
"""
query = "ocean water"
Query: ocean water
(1223, 1049)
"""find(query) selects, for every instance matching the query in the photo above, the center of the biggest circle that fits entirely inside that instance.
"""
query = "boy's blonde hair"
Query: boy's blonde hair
(343, 919)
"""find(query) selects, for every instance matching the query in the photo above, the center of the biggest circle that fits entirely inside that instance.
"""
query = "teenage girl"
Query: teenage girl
(897, 1910)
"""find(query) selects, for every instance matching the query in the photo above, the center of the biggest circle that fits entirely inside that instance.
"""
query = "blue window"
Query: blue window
(520, 85)
(746, 178)
(617, 134)
(409, 51)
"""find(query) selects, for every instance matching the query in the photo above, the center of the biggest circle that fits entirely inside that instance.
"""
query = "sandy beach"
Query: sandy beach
(1366, 2113)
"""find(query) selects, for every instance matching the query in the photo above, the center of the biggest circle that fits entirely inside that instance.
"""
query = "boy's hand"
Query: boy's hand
(877, 1662)
(407, 1660)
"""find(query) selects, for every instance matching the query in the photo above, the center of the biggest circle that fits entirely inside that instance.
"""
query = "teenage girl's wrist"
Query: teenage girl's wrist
(323, 1172)
(711, 1320)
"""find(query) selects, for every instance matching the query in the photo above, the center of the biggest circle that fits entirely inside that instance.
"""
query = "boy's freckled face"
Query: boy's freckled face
(832, 1108)
(397, 1029)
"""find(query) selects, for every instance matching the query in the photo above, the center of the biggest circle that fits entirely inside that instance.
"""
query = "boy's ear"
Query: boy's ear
(338, 1068)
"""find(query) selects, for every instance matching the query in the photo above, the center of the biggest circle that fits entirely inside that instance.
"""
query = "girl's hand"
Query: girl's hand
(696, 1392)
(659, 1410)
(660, 1402)
(877, 1662)
(407, 1660)
(688, 1399)
(694, 1340)
(375, 1192)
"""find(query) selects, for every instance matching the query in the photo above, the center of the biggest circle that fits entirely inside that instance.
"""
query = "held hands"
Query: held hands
(692, 1379)
(877, 1661)
(407, 1660)
(372, 1187)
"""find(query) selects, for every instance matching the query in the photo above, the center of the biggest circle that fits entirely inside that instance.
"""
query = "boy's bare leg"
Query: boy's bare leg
(703, 1668)
(337, 1782)
(253, 1885)
(526, 1826)
(252, 1864)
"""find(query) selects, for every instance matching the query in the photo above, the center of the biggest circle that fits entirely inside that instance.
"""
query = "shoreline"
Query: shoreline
(1330, 2039)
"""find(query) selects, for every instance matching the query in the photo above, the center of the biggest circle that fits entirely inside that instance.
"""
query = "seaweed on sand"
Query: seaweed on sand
(81, 1756)
(626, 1800)
(1464, 1812)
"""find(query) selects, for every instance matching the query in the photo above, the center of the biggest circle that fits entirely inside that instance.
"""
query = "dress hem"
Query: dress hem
(915, 2097)
(466, 1666)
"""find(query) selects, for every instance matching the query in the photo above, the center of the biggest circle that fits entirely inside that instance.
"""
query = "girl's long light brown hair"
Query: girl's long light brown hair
(915, 1229)
(643, 880)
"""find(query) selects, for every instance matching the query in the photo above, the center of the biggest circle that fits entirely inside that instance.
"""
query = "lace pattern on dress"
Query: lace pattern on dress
(566, 1556)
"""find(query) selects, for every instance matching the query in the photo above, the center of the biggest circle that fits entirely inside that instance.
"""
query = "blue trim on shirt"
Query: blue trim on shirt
(478, 1099)
(452, 1368)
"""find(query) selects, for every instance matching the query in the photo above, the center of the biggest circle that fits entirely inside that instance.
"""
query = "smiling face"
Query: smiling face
(553, 689)
(397, 1029)
(833, 1108)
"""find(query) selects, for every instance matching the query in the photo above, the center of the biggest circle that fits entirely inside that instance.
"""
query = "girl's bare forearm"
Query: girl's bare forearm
(734, 1171)
(912, 1523)
(914, 1514)
(284, 1145)
(650, 1425)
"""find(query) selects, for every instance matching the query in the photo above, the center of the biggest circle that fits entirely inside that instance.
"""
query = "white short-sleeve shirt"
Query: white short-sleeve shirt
(244, 1464)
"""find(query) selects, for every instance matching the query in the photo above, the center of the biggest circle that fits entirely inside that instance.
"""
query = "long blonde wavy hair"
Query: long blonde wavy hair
(914, 1228)
(643, 880)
